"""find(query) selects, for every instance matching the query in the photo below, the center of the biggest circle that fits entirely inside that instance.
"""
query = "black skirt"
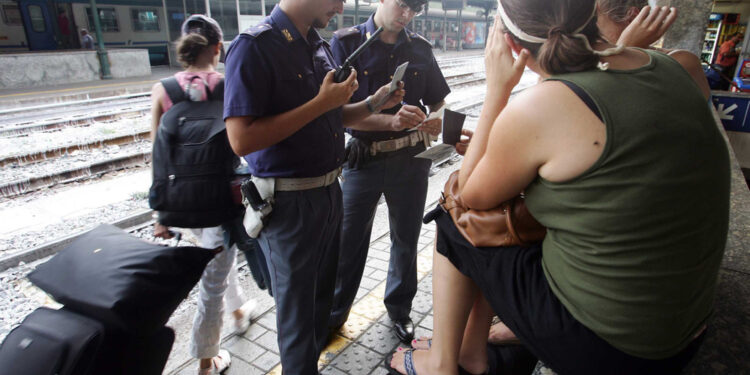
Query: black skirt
(513, 282)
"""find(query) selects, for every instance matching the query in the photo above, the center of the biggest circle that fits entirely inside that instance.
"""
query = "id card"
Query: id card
(397, 76)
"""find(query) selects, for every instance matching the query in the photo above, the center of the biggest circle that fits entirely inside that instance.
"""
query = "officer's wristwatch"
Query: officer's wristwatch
(370, 108)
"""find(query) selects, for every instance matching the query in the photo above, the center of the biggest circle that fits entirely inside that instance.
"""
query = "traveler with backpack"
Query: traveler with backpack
(190, 187)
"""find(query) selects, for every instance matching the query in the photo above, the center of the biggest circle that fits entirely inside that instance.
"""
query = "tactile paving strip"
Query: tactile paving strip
(357, 359)
(379, 338)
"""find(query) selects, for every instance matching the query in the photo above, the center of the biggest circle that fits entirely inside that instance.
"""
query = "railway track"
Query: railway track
(131, 223)
(133, 150)
(33, 181)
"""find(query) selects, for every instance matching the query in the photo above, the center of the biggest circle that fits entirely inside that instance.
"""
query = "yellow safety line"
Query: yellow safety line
(76, 88)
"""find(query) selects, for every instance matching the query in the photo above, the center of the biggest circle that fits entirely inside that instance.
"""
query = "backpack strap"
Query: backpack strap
(173, 89)
(217, 93)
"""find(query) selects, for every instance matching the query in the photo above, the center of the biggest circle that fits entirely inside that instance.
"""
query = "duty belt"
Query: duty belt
(391, 145)
(306, 183)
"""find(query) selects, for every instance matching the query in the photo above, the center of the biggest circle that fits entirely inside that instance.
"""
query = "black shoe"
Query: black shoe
(332, 331)
(404, 330)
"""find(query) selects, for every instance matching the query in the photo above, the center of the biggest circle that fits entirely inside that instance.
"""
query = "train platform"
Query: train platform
(41, 95)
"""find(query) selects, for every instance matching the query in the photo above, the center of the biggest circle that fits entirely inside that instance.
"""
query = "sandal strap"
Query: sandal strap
(409, 362)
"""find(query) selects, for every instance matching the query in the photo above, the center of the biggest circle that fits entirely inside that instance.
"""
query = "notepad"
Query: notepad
(453, 122)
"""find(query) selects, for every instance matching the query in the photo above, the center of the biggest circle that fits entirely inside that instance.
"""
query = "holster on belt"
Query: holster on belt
(257, 196)
(357, 152)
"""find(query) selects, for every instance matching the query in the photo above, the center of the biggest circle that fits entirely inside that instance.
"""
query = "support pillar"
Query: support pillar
(689, 31)
(101, 51)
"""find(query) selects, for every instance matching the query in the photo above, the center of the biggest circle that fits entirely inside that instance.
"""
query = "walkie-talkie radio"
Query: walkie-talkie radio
(342, 72)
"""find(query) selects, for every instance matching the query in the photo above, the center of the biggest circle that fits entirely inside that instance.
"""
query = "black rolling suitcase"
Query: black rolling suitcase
(51, 342)
(128, 354)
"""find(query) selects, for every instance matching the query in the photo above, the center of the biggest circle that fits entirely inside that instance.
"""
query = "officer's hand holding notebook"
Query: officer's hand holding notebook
(453, 122)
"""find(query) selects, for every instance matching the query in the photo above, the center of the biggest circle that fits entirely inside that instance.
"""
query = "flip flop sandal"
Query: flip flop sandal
(408, 363)
(429, 342)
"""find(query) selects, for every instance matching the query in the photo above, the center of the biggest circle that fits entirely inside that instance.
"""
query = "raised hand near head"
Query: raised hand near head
(648, 26)
(503, 70)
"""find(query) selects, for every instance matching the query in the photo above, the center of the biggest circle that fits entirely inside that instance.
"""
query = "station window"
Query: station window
(418, 26)
(333, 24)
(427, 26)
(251, 7)
(11, 15)
(438, 26)
(37, 18)
(348, 21)
(107, 19)
(145, 19)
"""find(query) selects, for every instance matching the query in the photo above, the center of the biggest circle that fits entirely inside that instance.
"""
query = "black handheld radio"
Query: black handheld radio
(342, 72)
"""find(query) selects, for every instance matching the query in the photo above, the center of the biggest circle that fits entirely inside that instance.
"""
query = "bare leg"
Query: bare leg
(473, 355)
(453, 298)
(500, 334)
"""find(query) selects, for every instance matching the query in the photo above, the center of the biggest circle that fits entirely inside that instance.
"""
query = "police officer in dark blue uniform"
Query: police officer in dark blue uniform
(382, 162)
(284, 112)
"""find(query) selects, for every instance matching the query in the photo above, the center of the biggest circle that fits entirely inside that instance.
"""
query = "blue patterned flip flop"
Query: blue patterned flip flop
(408, 363)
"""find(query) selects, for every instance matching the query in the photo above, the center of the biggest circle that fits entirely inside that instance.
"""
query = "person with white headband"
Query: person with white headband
(636, 24)
(604, 150)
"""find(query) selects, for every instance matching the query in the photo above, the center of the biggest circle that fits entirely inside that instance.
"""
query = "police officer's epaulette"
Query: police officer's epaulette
(415, 36)
(346, 32)
(257, 29)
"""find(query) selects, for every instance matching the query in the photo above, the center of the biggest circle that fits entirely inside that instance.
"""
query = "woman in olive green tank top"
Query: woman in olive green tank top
(630, 175)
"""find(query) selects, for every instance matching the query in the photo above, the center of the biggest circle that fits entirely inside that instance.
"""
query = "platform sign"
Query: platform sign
(453, 4)
(733, 110)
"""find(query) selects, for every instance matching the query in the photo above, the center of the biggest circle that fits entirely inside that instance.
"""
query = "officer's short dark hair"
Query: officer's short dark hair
(416, 5)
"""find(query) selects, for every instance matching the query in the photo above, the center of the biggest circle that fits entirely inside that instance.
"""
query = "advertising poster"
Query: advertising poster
(473, 34)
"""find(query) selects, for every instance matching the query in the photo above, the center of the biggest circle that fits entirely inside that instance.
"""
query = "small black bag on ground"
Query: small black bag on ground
(52, 342)
(193, 163)
(124, 282)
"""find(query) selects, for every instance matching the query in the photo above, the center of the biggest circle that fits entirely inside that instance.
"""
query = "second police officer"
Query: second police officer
(382, 162)
(284, 112)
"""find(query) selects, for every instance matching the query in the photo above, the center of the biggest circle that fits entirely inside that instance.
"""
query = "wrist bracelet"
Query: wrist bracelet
(370, 108)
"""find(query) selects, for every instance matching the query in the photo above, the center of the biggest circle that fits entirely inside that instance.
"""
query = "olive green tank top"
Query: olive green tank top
(634, 243)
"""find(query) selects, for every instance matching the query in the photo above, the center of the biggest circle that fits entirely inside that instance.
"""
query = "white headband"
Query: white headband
(515, 30)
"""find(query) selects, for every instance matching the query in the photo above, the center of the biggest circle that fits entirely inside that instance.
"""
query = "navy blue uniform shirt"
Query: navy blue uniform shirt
(270, 69)
(424, 82)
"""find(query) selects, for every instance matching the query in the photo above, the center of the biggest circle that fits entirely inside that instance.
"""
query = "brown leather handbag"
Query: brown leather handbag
(509, 224)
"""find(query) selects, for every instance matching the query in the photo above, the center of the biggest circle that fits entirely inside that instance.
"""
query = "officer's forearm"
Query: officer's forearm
(249, 134)
(374, 122)
(355, 113)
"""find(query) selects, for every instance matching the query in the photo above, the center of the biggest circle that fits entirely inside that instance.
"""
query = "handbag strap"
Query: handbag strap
(508, 209)
(447, 202)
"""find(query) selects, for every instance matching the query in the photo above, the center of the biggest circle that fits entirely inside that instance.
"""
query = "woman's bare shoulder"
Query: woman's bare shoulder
(539, 102)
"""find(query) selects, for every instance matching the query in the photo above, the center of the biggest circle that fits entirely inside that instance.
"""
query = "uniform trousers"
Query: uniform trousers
(301, 244)
(402, 178)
